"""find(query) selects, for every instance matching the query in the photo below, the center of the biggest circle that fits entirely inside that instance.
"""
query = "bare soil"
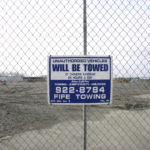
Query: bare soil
(24, 106)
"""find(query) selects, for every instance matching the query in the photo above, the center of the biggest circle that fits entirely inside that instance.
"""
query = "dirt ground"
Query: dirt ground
(24, 107)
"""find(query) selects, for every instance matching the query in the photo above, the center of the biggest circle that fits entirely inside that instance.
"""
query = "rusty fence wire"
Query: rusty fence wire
(32, 30)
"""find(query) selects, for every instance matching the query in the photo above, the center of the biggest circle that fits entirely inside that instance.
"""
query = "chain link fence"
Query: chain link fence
(32, 30)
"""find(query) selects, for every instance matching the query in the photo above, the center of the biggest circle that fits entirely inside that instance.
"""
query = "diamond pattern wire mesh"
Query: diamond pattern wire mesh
(32, 30)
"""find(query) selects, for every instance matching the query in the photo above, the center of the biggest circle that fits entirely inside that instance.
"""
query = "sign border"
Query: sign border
(85, 56)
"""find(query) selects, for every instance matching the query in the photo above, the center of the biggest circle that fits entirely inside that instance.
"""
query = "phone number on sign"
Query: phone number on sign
(89, 89)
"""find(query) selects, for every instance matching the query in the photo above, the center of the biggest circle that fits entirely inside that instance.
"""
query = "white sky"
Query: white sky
(30, 30)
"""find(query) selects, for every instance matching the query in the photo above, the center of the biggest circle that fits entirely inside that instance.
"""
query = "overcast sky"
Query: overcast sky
(30, 30)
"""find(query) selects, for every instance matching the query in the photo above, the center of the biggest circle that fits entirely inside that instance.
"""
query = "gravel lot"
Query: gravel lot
(24, 109)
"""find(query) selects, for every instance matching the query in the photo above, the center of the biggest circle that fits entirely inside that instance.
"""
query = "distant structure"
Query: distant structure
(16, 77)
(10, 78)
(126, 80)
(34, 79)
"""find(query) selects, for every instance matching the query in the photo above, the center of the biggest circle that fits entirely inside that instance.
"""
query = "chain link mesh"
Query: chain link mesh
(32, 30)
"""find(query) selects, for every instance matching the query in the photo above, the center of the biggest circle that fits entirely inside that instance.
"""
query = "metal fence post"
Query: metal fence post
(85, 53)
